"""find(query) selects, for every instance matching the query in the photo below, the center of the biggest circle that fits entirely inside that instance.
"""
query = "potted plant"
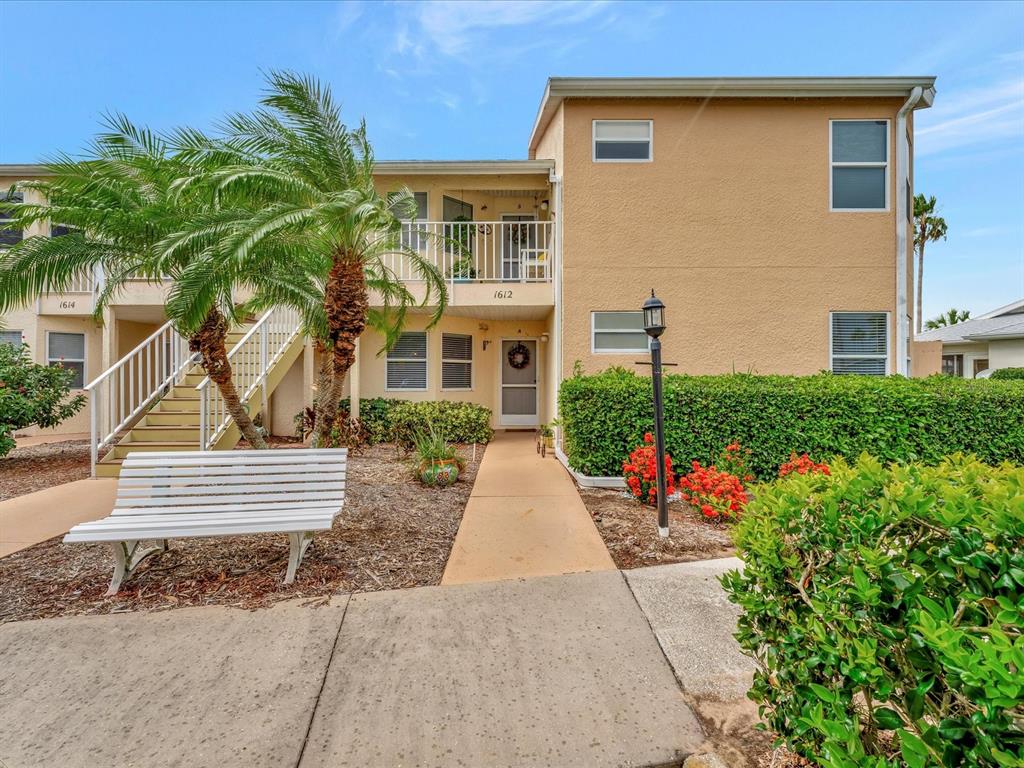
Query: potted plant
(547, 434)
(436, 460)
(463, 270)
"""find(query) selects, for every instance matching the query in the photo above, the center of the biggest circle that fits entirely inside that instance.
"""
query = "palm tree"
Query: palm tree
(949, 317)
(308, 179)
(121, 203)
(928, 228)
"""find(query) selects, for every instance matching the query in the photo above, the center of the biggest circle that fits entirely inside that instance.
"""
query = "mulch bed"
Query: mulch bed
(630, 531)
(393, 533)
(30, 469)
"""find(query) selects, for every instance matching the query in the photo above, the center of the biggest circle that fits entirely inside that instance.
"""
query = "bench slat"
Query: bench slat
(235, 498)
(313, 513)
(256, 506)
(229, 475)
(194, 530)
(206, 489)
(200, 461)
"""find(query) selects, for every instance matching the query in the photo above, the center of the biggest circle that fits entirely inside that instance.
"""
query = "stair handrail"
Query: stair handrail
(119, 395)
(251, 359)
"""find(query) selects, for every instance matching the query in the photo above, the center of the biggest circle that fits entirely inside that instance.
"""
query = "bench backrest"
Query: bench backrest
(194, 481)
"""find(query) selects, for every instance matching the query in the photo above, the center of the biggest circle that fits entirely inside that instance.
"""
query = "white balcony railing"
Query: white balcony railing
(252, 359)
(119, 396)
(480, 251)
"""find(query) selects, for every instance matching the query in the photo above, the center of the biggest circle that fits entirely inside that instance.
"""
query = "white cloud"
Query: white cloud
(346, 13)
(456, 28)
(986, 113)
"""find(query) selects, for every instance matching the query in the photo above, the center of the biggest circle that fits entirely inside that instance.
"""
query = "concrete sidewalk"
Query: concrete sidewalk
(35, 517)
(524, 518)
(559, 671)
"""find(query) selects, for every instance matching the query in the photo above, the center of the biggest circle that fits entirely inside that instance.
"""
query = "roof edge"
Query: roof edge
(24, 169)
(559, 88)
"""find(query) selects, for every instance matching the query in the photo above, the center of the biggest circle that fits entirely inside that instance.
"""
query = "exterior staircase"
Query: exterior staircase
(157, 398)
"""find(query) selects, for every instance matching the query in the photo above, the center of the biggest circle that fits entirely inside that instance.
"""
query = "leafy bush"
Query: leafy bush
(894, 418)
(884, 607)
(375, 415)
(32, 394)
(640, 471)
(1007, 374)
(459, 422)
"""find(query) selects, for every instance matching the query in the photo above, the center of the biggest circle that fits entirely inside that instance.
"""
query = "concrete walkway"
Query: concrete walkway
(524, 518)
(35, 517)
(557, 671)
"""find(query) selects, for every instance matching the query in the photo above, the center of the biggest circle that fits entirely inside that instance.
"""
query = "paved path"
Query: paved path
(558, 671)
(35, 517)
(524, 518)
(26, 441)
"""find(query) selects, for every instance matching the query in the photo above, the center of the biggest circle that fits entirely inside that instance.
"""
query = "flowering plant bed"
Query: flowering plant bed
(715, 493)
(802, 465)
(640, 471)
(392, 533)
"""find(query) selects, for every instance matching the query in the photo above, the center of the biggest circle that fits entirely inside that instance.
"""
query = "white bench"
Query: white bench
(189, 494)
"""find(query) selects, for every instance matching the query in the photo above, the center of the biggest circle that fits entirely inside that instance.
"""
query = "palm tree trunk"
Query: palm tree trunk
(920, 282)
(210, 342)
(346, 304)
(324, 383)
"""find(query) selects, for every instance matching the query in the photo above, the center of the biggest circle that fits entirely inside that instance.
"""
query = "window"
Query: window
(456, 361)
(59, 230)
(953, 365)
(9, 236)
(859, 156)
(14, 338)
(410, 237)
(407, 362)
(618, 332)
(623, 141)
(860, 343)
(68, 350)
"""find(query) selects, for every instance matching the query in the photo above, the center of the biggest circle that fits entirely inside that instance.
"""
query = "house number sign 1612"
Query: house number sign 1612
(506, 294)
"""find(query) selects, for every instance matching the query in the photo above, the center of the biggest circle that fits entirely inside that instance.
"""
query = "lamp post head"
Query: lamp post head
(654, 316)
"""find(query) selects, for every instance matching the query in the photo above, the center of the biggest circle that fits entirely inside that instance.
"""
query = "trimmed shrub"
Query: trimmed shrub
(1008, 374)
(375, 415)
(458, 422)
(884, 607)
(896, 419)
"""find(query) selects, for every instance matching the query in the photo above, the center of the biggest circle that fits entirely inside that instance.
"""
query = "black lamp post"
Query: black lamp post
(654, 324)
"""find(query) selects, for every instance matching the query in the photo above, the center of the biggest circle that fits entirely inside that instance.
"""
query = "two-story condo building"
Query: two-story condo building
(771, 215)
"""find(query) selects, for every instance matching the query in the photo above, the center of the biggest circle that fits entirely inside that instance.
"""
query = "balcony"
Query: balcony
(482, 262)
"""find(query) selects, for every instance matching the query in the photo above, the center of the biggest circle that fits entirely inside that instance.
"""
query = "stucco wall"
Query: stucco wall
(731, 224)
(552, 141)
(1006, 354)
(926, 358)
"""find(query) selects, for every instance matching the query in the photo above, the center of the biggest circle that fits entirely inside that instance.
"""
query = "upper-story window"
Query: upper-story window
(623, 141)
(9, 236)
(860, 343)
(859, 157)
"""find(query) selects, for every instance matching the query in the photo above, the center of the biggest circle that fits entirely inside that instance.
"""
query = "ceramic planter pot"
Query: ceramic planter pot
(438, 472)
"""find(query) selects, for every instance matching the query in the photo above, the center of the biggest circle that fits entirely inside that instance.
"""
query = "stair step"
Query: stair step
(167, 404)
(180, 419)
(123, 448)
(151, 434)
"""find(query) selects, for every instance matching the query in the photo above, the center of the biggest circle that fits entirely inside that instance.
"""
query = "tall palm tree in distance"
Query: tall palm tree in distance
(309, 182)
(121, 204)
(928, 228)
(949, 317)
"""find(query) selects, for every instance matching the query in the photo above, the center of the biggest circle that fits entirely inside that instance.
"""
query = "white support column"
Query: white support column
(308, 374)
(353, 385)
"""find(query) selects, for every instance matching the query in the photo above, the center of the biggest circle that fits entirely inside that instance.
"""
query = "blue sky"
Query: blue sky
(463, 80)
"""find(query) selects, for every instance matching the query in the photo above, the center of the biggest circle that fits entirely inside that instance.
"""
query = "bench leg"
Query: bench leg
(298, 544)
(127, 557)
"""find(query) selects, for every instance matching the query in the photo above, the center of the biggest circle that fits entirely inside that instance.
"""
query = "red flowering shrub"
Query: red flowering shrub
(641, 472)
(802, 465)
(715, 493)
(735, 460)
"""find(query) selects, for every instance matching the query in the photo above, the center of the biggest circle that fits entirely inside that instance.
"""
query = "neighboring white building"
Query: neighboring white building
(978, 346)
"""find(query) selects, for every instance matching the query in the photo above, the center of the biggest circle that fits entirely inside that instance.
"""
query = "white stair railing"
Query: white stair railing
(123, 392)
(251, 360)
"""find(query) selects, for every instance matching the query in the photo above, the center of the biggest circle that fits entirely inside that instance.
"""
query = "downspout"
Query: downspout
(902, 184)
(556, 181)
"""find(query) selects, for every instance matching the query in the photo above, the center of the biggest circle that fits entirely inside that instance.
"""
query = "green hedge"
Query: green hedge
(1006, 374)
(605, 415)
(396, 420)
(884, 606)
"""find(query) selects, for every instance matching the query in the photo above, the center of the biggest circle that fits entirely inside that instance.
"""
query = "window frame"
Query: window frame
(594, 331)
(425, 360)
(593, 140)
(470, 361)
(83, 361)
(887, 165)
(958, 362)
(888, 340)
(19, 198)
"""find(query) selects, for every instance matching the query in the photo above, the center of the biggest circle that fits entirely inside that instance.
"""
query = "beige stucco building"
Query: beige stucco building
(769, 214)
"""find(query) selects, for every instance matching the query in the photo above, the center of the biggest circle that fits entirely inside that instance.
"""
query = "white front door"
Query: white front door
(518, 383)
(515, 236)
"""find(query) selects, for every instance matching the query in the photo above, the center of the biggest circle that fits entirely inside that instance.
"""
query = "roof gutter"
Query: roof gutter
(903, 198)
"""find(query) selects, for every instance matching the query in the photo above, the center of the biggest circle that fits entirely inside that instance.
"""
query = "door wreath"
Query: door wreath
(519, 356)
